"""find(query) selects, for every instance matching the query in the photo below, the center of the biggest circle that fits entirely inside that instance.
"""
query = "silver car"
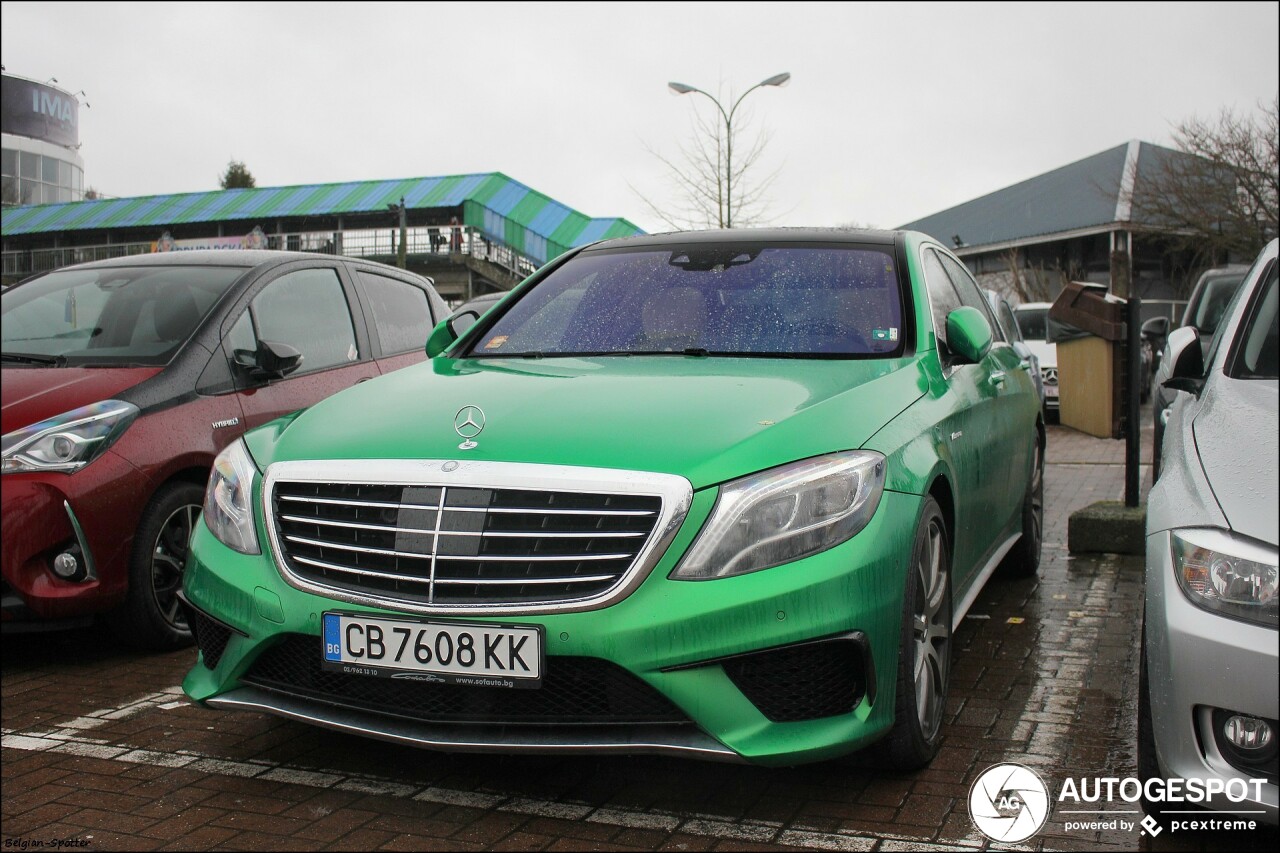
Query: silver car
(1208, 692)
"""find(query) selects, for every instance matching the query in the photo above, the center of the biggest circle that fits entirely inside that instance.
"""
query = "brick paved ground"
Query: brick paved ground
(101, 749)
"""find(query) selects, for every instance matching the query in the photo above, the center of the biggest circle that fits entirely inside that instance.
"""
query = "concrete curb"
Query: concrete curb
(1108, 527)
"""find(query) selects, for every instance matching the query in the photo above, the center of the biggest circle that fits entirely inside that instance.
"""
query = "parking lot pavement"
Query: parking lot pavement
(101, 750)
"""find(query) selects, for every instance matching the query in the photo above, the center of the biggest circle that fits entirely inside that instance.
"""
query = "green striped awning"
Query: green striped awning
(504, 209)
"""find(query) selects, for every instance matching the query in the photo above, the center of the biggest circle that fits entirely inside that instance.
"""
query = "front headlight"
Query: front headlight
(67, 442)
(785, 513)
(228, 506)
(1223, 573)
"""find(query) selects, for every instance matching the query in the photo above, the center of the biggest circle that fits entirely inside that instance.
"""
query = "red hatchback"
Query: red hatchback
(123, 379)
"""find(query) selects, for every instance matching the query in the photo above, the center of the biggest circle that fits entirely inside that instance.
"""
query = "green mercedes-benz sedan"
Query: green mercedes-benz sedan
(721, 494)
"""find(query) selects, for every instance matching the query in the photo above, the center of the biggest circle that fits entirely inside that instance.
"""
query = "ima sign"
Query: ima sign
(41, 112)
(52, 105)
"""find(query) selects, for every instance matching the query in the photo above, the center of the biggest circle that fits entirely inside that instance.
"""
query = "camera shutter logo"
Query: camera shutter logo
(1009, 803)
(468, 423)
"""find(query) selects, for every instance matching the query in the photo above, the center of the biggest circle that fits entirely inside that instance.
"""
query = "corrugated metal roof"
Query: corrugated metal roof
(1079, 195)
(506, 209)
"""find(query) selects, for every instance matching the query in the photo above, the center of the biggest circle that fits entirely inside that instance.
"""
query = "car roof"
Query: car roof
(753, 235)
(243, 258)
(202, 257)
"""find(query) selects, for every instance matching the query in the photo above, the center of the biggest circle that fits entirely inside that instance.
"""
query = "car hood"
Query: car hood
(1235, 432)
(32, 394)
(706, 419)
(1047, 353)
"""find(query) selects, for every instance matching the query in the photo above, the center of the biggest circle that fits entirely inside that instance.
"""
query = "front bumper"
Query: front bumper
(39, 514)
(675, 638)
(1198, 662)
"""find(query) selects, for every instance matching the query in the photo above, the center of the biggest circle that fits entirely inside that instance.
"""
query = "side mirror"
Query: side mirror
(968, 335)
(1185, 360)
(449, 330)
(1156, 327)
(271, 360)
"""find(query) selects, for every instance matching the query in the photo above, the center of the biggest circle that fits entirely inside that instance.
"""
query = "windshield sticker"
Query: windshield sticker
(884, 334)
(496, 342)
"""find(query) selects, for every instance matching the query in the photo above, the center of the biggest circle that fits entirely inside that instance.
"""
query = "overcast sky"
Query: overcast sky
(894, 111)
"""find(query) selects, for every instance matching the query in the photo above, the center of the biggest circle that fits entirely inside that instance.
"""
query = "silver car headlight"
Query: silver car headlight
(228, 503)
(69, 441)
(786, 513)
(1226, 574)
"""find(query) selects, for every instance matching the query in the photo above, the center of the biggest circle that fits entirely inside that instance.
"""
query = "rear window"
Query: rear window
(732, 299)
(116, 315)
(1032, 322)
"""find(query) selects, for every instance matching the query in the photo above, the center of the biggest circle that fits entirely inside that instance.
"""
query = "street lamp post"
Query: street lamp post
(683, 89)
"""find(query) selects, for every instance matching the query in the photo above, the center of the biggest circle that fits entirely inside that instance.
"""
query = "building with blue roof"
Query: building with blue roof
(1027, 239)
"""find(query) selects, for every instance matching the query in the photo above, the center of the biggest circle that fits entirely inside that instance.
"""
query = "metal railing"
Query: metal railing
(379, 243)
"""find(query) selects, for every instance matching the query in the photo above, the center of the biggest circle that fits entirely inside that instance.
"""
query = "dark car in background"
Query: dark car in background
(1209, 300)
(1013, 334)
(1033, 323)
(123, 379)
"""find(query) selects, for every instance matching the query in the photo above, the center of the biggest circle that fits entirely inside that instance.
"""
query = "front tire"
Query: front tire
(924, 657)
(151, 618)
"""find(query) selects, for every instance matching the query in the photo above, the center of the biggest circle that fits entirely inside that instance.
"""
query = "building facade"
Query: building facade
(41, 161)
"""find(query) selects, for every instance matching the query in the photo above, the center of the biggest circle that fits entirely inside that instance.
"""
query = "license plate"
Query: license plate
(1051, 390)
(475, 654)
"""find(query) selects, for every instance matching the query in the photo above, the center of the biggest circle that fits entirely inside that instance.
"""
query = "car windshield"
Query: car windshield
(1033, 323)
(109, 316)
(1211, 303)
(1258, 342)
(732, 299)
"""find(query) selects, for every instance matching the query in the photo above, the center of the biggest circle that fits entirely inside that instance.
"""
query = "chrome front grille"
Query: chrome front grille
(453, 544)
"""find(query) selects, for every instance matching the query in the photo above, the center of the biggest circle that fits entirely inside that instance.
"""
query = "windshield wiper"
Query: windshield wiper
(698, 352)
(29, 358)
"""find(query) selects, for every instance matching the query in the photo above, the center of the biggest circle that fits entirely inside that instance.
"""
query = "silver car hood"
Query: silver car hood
(1235, 431)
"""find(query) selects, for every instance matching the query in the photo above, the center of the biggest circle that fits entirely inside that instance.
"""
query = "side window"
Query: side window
(400, 312)
(942, 295)
(970, 294)
(308, 311)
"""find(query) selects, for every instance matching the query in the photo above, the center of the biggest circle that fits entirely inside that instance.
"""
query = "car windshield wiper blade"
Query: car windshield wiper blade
(31, 358)
(694, 351)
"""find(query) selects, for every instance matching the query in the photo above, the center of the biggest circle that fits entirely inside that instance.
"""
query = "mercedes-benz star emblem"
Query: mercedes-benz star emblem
(468, 423)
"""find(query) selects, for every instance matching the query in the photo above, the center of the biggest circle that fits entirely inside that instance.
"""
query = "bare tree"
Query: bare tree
(1219, 196)
(237, 176)
(717, 174)
(1023, 281)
